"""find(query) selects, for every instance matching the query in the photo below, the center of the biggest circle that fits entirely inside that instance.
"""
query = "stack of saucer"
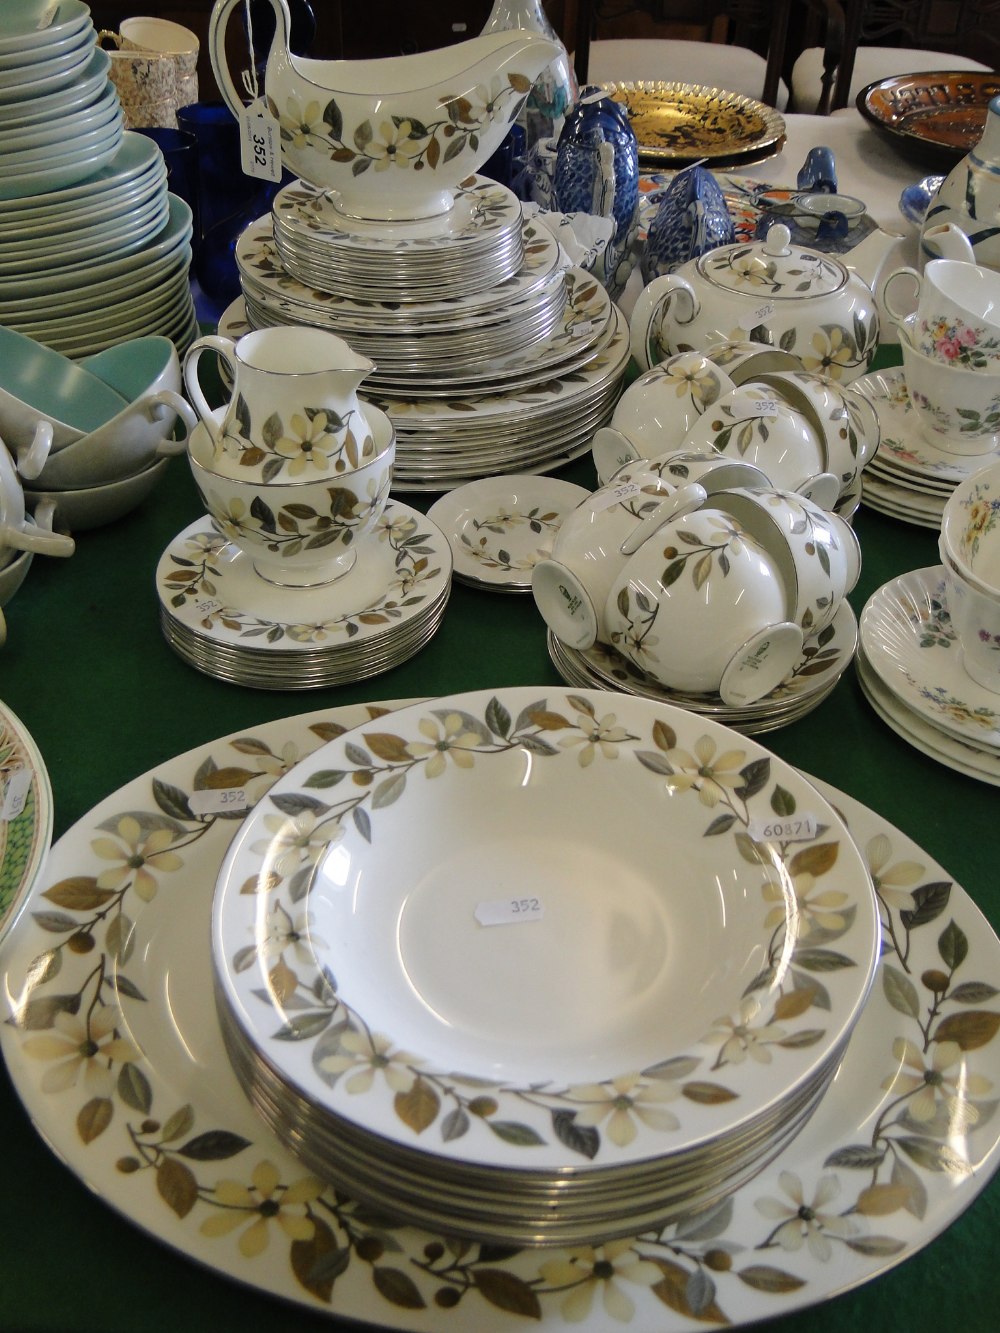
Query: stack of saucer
(225, 620)
(823, 661)
(909, 667)
(476, 244)
(91, 265)
(519, 1085)
(909, 478)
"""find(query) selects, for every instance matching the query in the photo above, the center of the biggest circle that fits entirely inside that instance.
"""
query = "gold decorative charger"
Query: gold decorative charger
(685, 122)
(945, 111)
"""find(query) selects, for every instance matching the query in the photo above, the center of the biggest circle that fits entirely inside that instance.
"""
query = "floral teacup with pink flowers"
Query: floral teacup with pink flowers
(957, 319)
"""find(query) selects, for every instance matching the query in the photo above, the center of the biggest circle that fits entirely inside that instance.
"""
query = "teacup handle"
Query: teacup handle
(160, 404)
(906, 272)
(31, 457)
(683, 500)
(611, 450)
(225, 348)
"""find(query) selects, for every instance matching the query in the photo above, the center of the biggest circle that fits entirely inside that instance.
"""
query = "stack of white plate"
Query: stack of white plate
(60, 119)
(910, 668)
(476, 244)
(823, 661)
(225, 620)
(514, 1013)
(909, 478)
(102, 261)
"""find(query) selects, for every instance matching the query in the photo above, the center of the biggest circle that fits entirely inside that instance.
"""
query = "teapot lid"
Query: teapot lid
(773, 268)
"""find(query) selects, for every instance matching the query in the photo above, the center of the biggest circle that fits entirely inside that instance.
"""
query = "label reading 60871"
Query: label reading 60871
(784, 828)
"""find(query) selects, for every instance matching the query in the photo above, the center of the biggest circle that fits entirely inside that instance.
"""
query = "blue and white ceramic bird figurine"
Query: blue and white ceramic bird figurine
(818, 173)
(691, 219)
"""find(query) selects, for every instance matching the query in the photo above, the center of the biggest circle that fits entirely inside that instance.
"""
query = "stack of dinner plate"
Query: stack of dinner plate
(93, 249)
(510, 372)
(909, 478)
(444, 946)
(223, 618)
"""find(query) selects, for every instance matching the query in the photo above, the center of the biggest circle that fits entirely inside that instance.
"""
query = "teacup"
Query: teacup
(975, 617)
(745, 360)
(702, 609)
(592, 545)
(659, 408)
(299, 533)
(17, 531)
(846, 421)
(756, 424)
(957, 315)
(970, 530)
(816, 552)
(294, 411)
(710, 469)
(957, 410)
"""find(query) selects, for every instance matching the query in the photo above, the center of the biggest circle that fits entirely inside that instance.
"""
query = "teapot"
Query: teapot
(394, 137)
(788, 296)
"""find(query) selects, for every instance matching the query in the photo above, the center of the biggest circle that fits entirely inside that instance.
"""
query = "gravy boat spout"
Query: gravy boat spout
(391, 139)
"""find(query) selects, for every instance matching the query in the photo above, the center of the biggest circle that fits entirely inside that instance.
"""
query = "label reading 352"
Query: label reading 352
(509, 911)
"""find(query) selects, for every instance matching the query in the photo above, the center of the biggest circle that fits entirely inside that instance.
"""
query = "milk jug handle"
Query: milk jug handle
(192, 385)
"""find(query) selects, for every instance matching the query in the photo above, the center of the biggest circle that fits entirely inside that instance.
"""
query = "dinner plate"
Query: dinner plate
(943, 112)
(687, 122)
(186, 1159)
(548, 1016)
(25, 816)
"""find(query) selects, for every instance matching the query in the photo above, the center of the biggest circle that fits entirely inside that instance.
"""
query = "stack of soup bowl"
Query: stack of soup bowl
(93, 437)
(93, 249)
(944, 409)
(268, 589)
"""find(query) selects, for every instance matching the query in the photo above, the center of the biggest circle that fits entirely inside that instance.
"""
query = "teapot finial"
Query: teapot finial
(777, 240)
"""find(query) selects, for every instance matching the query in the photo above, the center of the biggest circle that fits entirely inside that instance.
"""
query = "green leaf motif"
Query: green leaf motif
(900, 991)
(388, 791)
(583, 1139)
(498, 719)
(856, 1157)
(133, 1088)
(782, 801)
(507, 1292)
(398, 1288)
(953, 945)
(930, 900)
(319, 1261)
(934, 1156)
(762, 1277)
(515, 1133)
(172, 801)
(216, 1145)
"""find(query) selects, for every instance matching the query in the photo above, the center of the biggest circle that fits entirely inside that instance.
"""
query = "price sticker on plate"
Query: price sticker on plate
(260, 144)
(15, 794)
(219, 801)
(784, 828)
(509, 911)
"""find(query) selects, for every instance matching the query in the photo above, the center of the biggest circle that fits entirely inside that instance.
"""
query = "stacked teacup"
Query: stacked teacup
(21, 536)
(951, 353)
(970, 551)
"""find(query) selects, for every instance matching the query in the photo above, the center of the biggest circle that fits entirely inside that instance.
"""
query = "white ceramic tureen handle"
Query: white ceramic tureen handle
(217, 26)
(648, 308)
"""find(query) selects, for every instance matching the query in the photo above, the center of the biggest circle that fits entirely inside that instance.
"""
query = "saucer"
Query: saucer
(909, 643)
(500, 527)
(210, 594)
(923, 735)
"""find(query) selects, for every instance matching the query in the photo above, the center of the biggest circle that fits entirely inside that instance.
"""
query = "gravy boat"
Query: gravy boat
(394, 137)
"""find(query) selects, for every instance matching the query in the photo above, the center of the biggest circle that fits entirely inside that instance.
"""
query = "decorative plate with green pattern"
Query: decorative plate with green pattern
(25, 816)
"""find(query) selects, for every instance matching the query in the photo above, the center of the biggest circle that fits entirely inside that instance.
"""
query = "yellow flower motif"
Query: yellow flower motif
(585, 1271)
(807, 1223)
(86, 1043)
(265, 1200)
(700, 381)
(272, 766)
(285, 932)
(368, 1055)
(448, 740)
(136, 857)
(300, 122)
(232, 518)
(815, 909)
(296, 842)
(396, 530)
(711, 776)
(892, 883)
(738, 1038)
(944, 1075)
(833, 353)
(621, 1102)
(397, 149)
(308, 444)
(597, 735)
